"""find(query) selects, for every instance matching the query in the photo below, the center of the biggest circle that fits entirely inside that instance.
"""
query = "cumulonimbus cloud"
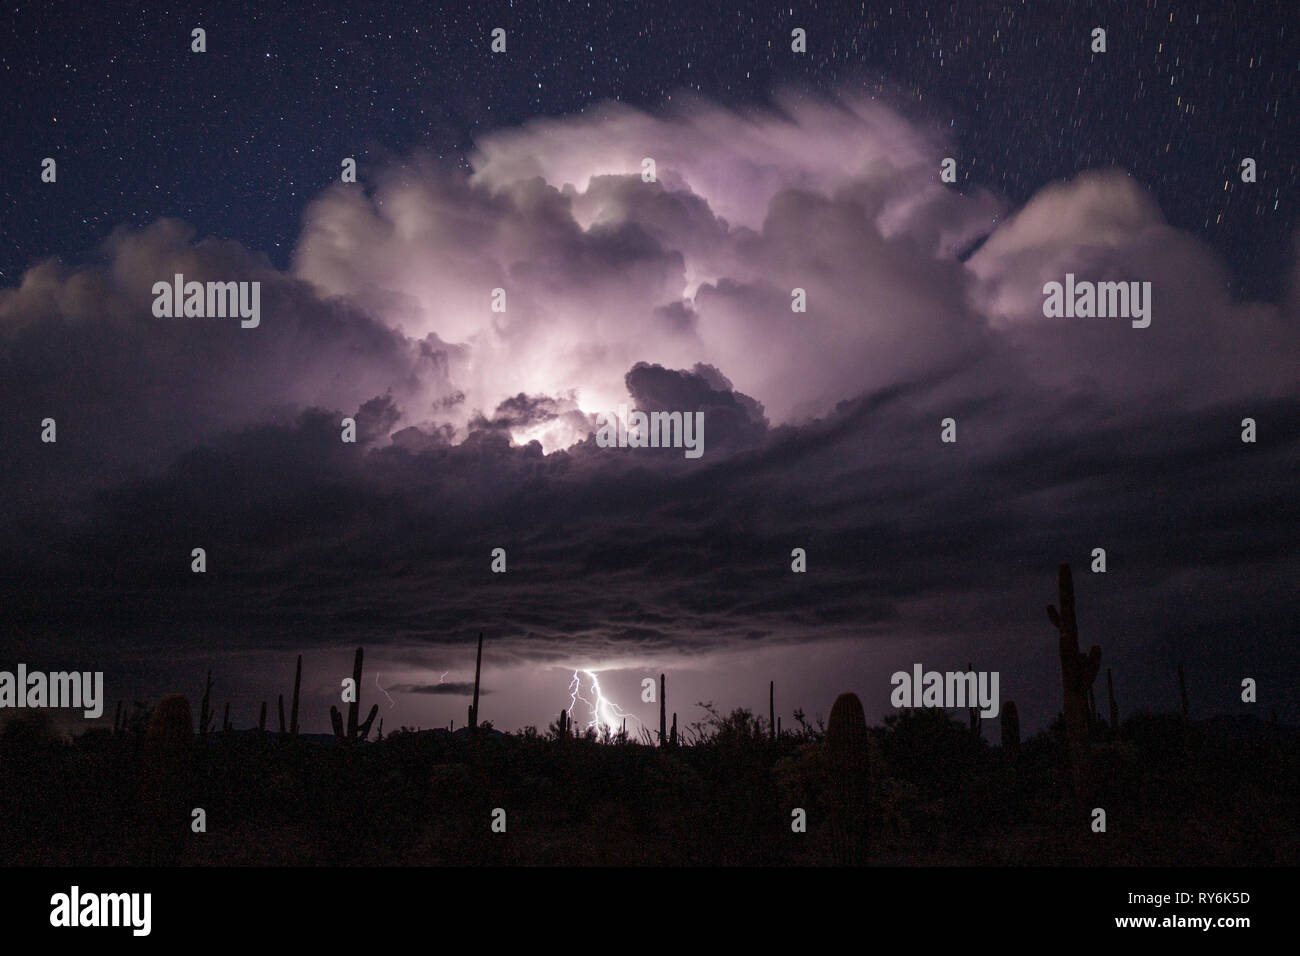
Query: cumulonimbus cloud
(823, 424)
(391, 291)
(601, 269)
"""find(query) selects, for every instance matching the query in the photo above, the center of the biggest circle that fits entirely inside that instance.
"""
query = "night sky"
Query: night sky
(776, 170)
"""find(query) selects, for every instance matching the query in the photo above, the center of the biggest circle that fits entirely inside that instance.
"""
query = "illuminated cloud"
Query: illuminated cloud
(822, 425)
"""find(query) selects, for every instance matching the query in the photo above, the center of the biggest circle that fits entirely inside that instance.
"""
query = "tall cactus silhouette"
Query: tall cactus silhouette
(165, 781)
(663, 713)
(478, 669)
(293, 714)
(171, 727)
(355, 732)
(973, 713)
(205, 706)
(1010, 732)
(1114, 708)
(848, 761)
(1078, 671)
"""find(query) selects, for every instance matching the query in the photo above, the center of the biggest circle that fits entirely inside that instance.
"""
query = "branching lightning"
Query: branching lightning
(606, 716)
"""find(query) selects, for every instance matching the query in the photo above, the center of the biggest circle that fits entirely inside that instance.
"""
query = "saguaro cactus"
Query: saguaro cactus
(293, 714)
(663, 714)
(166, 770)
(771, 709)
(170, 726)
(205, 708)
(973, 713)
(355, 732)
(1010, 731)
(1114, 708)
(478, 668)
(848, 759)
(672, 734)
(1078, 671)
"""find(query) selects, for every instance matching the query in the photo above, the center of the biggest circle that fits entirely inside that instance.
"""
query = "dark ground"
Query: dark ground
(1221, 791)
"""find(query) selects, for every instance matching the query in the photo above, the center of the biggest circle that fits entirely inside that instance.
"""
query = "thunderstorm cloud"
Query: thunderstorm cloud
(475, 427)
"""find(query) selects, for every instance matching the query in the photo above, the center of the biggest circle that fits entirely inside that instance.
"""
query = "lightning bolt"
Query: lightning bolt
(391, 703)
(605, 714)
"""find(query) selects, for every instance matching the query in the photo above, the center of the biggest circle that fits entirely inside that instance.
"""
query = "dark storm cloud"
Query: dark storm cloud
(129, 391)
(822, 428)
(733, 420)
(521, 410)
(453, 690)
